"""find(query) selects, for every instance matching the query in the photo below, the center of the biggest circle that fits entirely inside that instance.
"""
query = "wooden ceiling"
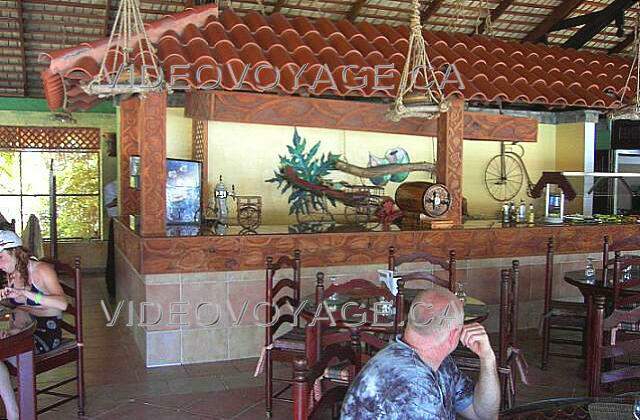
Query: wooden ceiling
(31, 27)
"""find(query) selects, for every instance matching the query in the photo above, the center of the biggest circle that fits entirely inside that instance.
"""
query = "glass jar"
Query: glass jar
(589, 271)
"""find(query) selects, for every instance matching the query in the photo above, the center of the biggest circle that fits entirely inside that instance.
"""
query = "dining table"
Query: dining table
(597, 289)
(619, 407)
(16, 340)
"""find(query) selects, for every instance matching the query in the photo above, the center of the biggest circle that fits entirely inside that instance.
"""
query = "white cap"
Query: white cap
(8, 240)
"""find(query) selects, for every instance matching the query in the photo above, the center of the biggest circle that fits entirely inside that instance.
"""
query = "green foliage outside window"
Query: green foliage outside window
(24, 190)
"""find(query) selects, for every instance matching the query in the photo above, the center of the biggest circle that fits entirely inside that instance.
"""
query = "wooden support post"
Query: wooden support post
(129, 146)
(153, 157)
(200, 152)
(449, 163)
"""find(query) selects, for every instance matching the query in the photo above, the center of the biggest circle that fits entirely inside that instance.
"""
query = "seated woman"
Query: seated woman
(34, 288)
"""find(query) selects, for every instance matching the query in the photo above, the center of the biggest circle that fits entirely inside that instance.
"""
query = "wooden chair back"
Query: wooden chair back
(343, 343)
(548, 276)
(290, 288)
(622, 298)
(448, 265)
(508, 312)
(71, 282)
(356, 287)
(604, 371)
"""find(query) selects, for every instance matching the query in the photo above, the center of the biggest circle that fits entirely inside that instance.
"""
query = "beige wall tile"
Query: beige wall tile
(161, 279)
(206, 305)
(212, 276)
(245, 342)
(163, 348)
(204, 345)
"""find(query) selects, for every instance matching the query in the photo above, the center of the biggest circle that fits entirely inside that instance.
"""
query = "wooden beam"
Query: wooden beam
(449, 165)
(622, 44)
(354, 11)
(559, 13)
(23, 54)
(430, 10)
(107, 11)
(278, 6)
(496, 13)
(601, 21)
(188, 3)
(256, 108)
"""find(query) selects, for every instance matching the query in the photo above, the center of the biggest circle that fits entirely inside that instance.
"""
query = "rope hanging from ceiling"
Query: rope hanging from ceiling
(412, 100)
(119, 73)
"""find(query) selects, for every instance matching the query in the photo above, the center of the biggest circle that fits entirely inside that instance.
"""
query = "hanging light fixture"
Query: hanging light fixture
(120, 71)
(412, 101)
(630, 111)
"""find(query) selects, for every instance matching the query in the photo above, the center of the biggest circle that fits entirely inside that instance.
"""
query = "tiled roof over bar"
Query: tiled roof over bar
(491, 70)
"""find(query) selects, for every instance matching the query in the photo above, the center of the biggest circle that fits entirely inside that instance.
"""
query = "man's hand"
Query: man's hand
(476, 339)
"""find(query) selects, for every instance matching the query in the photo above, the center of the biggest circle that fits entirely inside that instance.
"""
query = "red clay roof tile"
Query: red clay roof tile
(339, 58)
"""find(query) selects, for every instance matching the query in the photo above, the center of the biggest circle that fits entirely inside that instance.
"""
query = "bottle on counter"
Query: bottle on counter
(506, 215)
(522, 212)
(531, 216)
(512, 212)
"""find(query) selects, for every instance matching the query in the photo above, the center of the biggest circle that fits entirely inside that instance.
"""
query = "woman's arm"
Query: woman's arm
(49, 279)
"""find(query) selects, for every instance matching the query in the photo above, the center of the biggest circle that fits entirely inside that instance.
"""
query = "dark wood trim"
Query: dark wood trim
(620, 46)
(496, 13)
(600, 21)
(354, 11)
(157, 255)
(559, 13)
(23, 54)
(255, 108)
(278, 6)
(430, 10)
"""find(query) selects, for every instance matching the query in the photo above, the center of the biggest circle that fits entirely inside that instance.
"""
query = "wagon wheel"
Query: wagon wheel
(320, 215)
(503, 177)
(249, 217)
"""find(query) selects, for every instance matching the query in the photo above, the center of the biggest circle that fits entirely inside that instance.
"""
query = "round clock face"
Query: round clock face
(436, 200)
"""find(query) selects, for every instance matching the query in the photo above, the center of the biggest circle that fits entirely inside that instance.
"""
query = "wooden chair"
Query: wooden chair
(624, 296)
(329, 373)
(607, 348)
(286, 347)
(509, 357)
(448, 265)
(72, 345)
(561, 314)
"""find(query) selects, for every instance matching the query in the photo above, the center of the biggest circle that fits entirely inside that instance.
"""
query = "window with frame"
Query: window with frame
(26, 156)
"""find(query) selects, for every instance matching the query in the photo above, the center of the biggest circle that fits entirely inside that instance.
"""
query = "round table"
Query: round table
(600, 287)
(475, 310)
(562, 408)
(16, 339)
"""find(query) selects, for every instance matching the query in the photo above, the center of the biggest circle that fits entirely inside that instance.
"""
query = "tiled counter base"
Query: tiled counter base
(186, 318)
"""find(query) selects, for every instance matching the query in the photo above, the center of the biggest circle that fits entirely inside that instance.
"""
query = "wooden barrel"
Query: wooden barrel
(431, 199)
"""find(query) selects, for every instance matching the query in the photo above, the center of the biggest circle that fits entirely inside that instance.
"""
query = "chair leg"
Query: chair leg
(268, 382)
(546, 335)
(80, 381)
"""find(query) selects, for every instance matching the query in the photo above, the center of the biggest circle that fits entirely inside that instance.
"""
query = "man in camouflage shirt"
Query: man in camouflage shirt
(416, 378)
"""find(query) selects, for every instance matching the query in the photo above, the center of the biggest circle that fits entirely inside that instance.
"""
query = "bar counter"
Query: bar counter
(336, 245)
(228, 272)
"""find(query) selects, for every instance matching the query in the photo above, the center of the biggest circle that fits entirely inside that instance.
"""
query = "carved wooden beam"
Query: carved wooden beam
(354, 11)
(430, 10)
(129, 146)
(23, 55)
(449, 165)
(496, 13)
(559, 13)
(256, 108)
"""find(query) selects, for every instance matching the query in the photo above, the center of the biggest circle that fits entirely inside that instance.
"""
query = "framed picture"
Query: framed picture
(184, 191)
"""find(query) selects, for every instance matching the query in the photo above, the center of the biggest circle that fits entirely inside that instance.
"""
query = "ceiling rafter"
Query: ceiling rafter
(559, 13)
(278, 6)
(496, 13)
(600, 21)
(23, 53)
(430, 10)
(107, 9)
(622, 45)
(354, 11)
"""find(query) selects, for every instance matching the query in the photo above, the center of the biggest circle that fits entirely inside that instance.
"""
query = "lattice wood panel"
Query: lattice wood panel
(199, 139)
(49, 138)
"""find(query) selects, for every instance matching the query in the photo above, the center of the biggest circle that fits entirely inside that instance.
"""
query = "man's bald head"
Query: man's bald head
(435, 313)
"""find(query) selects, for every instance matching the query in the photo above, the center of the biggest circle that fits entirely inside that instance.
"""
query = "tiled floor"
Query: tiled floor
(120, 387)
